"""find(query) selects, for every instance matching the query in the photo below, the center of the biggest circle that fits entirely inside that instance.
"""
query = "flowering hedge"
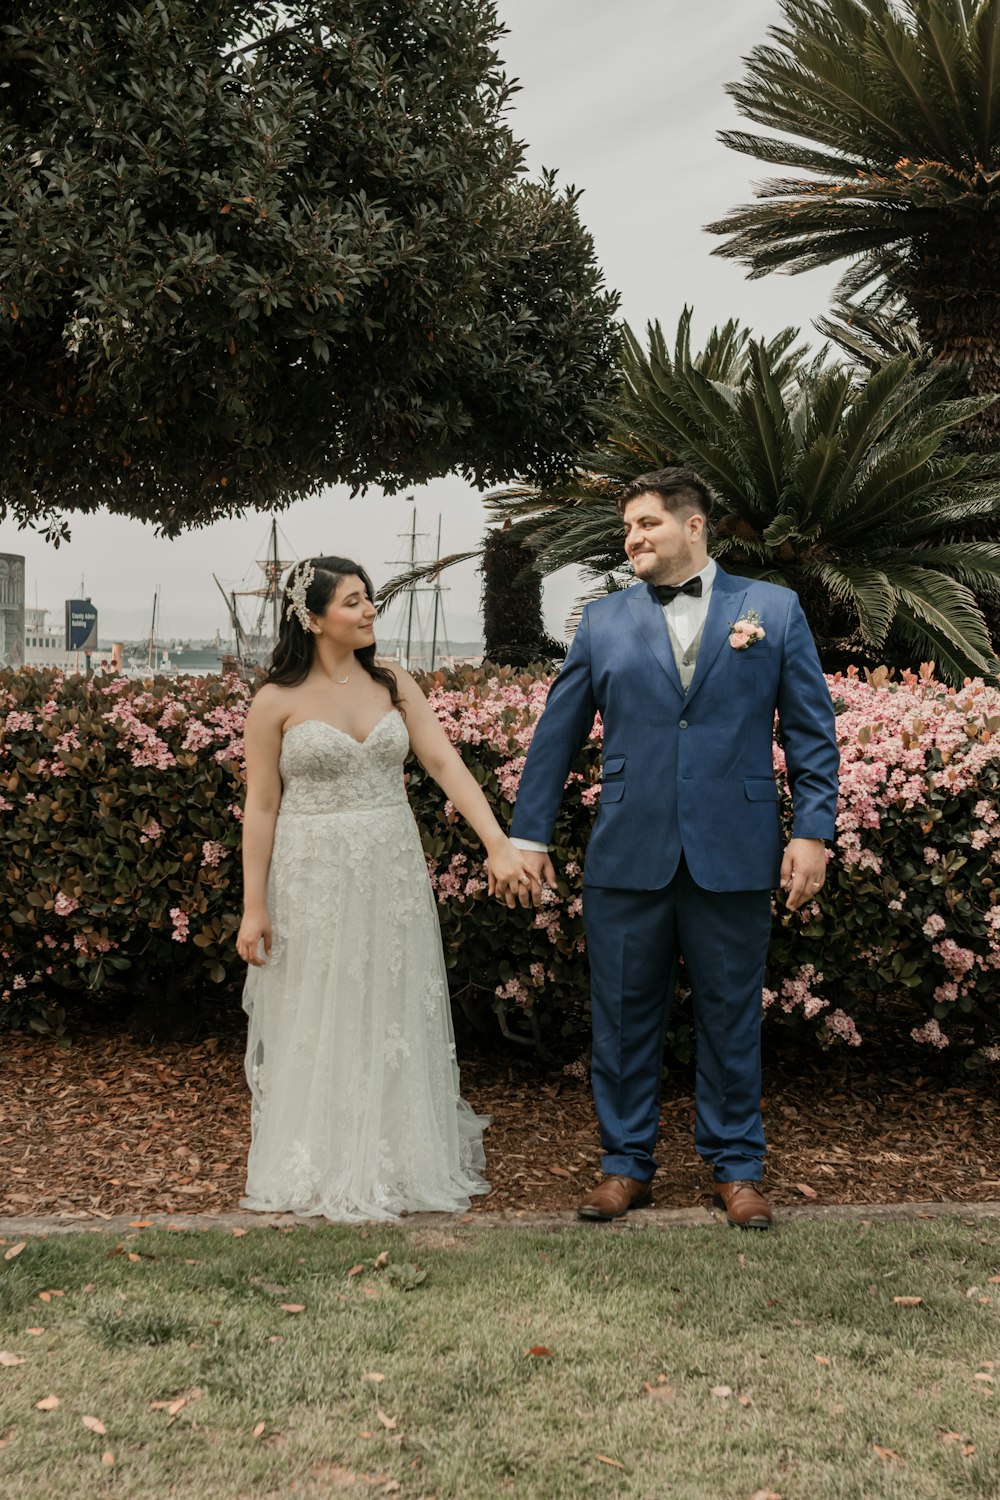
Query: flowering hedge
(120, 808)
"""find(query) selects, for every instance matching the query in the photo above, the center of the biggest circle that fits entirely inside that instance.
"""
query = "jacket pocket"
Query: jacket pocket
(761, 789)
(612, 791)
(613, 765)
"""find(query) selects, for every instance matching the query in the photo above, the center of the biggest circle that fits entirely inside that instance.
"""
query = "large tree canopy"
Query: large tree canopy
(248, 249)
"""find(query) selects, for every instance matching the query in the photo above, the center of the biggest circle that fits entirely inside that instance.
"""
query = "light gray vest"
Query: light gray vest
(686, 660)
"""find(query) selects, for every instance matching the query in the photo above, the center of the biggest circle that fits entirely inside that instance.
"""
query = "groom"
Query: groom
(687, 668)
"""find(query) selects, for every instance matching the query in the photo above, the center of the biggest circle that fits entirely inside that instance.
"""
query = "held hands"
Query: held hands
(803, 871)
(516, 875)
(254, 930)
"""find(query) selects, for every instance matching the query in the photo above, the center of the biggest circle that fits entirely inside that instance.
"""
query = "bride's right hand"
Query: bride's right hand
(254, 930)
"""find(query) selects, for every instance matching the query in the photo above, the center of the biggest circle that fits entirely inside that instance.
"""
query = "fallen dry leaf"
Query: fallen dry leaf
(907, 1301)
(821, 1359)
(108, 1459)
(982, 1375)
(293, 1307)
(36, 1333)
(259, 1430)
(373, 1375)
(538, 1351)
(173, 1407)
(14, 1250)
(806, 1190)
(133, 1257)
(48, 1403)
(722, 1391)
(94, 1424)
(889, 1456)
(613, 1463)
(7, 1359)
(659, 1392)
(949, 1437)
(355, 1271)
(6, 1437)
(994, 1281)
(382, 1259)
(968, 1449)
(745, 1401)
(389, 1423)
(239, 1232)
(140, 1223)
(765, 1495)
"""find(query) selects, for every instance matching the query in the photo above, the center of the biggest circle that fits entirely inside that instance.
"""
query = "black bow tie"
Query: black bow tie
(665, 592)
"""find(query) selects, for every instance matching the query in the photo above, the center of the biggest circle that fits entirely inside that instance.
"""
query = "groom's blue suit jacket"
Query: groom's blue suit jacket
(688, 772)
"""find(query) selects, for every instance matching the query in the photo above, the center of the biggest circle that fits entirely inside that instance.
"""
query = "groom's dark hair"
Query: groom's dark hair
(679, 489)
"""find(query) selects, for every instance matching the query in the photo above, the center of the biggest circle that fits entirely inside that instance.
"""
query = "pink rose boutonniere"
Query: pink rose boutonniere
(747, 629)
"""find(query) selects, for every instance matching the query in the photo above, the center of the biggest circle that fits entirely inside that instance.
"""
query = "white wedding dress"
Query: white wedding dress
(350, 1057)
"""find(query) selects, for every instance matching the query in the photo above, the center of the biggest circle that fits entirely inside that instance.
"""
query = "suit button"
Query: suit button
(683, 724)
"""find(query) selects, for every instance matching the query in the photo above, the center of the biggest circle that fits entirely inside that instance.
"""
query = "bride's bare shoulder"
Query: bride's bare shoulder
(271, 703)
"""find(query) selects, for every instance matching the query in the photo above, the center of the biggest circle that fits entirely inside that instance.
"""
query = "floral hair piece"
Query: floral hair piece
(298, 584)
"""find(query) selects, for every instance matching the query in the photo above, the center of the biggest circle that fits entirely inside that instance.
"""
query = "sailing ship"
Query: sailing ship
(253, 641)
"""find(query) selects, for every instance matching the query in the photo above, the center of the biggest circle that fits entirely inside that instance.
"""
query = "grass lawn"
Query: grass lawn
(472, 1362)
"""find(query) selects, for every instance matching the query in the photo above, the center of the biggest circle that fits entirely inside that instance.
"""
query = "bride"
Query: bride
(350, 1057)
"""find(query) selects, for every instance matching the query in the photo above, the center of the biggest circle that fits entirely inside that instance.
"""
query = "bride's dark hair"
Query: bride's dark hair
(293, 650)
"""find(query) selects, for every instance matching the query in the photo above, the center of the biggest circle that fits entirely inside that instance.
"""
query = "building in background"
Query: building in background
(11, 609)
(44, 644)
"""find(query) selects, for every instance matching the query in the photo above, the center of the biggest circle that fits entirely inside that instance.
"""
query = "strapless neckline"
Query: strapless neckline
(301, 724)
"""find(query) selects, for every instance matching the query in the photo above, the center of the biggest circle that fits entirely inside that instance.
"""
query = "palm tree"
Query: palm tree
(888, 111)
(841, 481)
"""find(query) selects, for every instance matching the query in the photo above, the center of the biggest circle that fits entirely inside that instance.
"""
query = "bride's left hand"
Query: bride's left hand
(510, 878)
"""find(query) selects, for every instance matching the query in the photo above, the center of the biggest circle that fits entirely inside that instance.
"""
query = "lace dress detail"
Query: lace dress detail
(350, 1058)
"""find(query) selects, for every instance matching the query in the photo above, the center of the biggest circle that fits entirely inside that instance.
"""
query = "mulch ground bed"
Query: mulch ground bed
(110, 1125)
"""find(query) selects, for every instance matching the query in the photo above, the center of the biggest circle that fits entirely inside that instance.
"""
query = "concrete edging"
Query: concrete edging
(645, 1219)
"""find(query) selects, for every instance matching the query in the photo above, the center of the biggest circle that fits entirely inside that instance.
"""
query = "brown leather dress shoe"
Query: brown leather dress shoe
(614, 1197)
(744, 1203)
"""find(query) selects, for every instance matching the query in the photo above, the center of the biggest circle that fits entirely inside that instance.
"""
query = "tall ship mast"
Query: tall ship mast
(254, 639)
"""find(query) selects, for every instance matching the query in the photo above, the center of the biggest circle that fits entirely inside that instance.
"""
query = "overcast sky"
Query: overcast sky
(625, 101)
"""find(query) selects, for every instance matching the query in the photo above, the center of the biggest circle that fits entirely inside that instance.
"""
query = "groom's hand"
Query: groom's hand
(803, 871)
(542, 871)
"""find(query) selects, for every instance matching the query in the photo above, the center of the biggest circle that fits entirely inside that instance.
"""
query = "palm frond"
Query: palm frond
(946, 610)
(420, 574)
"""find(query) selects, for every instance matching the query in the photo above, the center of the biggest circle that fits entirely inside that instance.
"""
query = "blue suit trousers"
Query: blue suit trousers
(634, 941)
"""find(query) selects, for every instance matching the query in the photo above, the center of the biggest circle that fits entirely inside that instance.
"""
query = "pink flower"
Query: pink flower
(930, 1033)
(738, 640)
(181, 922)
(212, 853)
(839, 1024)
(64, 904)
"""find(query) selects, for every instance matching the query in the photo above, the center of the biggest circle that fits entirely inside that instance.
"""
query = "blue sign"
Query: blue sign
(81, 625)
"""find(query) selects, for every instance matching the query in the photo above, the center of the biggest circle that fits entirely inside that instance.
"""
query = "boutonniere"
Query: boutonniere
(747, 629)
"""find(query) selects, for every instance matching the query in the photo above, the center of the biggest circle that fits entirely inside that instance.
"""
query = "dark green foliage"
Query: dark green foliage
(512, 604)
(250, 250)
(887, 113)
(844, 483)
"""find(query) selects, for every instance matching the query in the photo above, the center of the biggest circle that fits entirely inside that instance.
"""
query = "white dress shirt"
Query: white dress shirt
(686, 614)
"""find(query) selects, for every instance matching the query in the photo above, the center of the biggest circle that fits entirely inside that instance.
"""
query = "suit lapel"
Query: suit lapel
(647, 613)
(724, 609)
